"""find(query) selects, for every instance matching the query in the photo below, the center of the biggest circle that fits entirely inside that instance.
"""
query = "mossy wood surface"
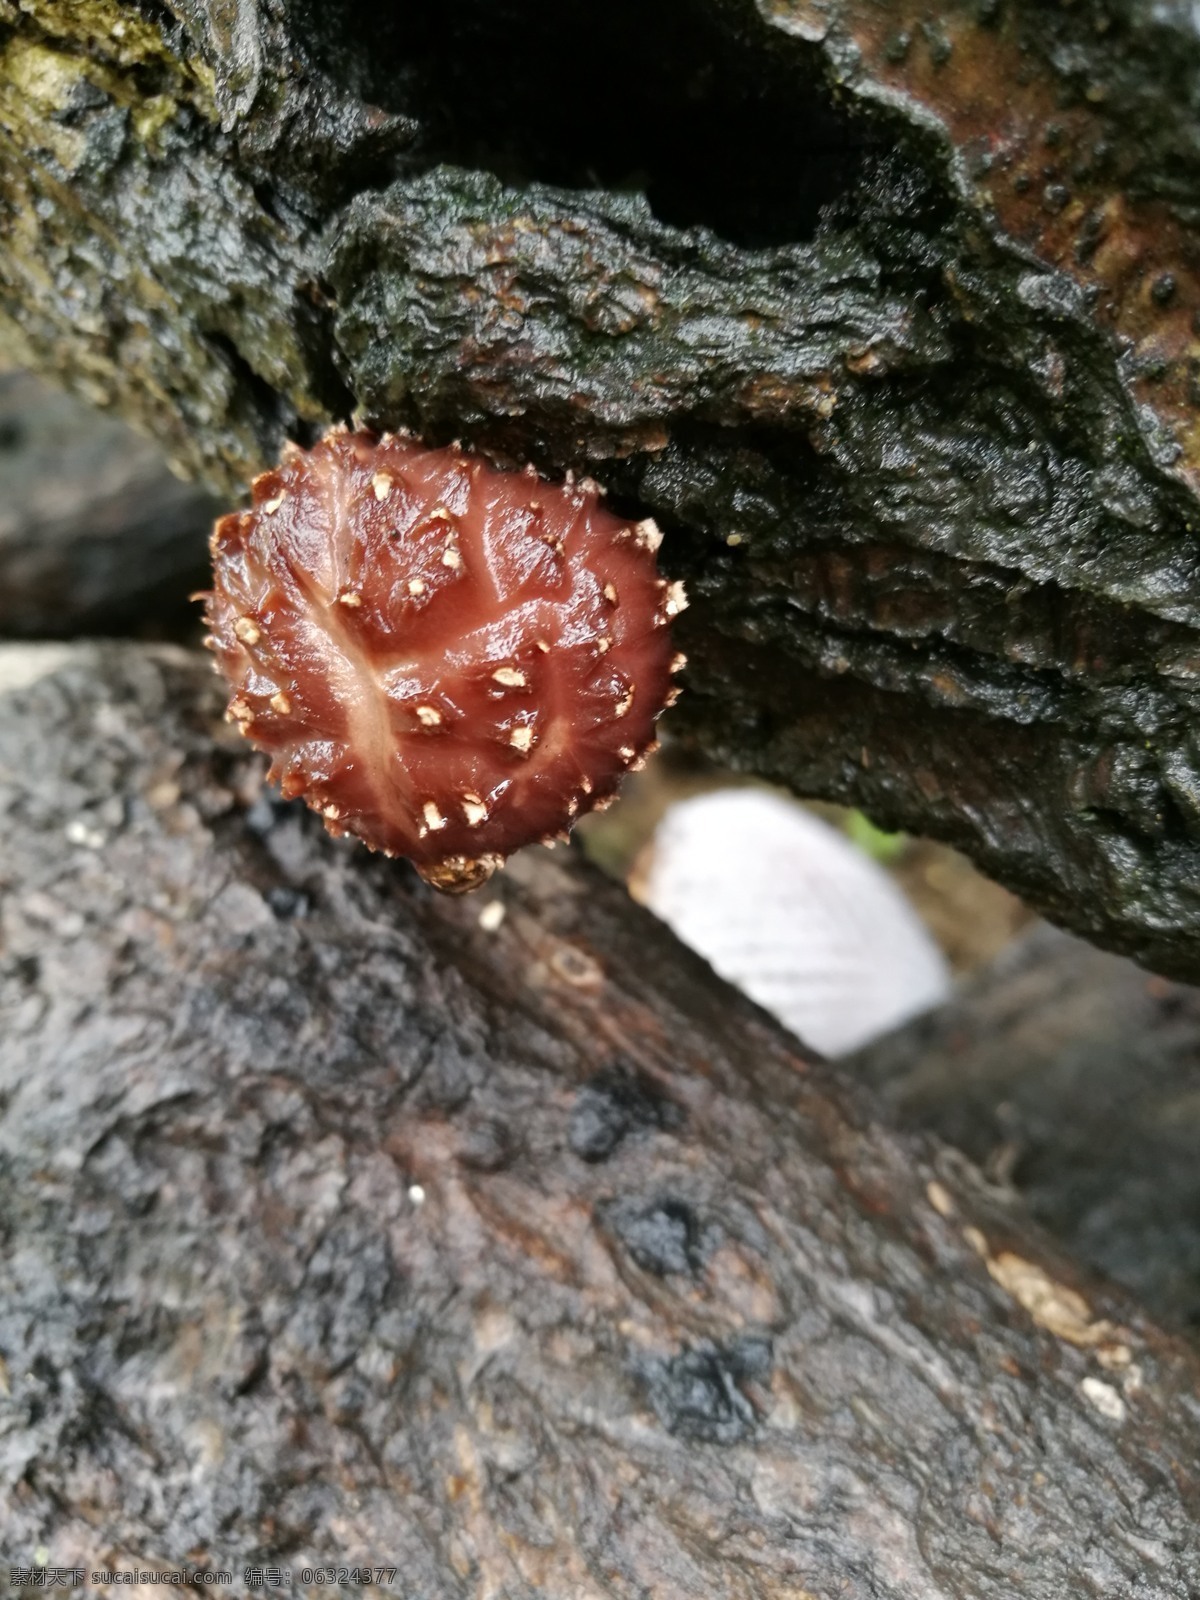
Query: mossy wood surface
(886, 312)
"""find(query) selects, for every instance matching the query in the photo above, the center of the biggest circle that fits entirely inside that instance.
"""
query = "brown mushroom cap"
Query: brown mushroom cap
(445, 659)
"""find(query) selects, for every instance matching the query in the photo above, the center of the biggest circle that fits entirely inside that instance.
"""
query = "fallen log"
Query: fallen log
(96, 535)
(886, 314)
(1074, 1076)
(493, 1240)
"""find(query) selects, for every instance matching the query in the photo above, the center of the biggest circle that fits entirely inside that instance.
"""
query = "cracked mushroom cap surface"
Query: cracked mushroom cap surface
(444, 658)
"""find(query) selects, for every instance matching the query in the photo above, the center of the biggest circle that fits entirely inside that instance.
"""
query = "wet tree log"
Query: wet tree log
(886, 312)
(1073, 1076)
(96, 536)
(343, 1222)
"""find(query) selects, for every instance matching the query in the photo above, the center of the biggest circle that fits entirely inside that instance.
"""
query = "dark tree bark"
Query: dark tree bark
(96, 536)
(900, 350)
(1074, 1076)
(340, 1221)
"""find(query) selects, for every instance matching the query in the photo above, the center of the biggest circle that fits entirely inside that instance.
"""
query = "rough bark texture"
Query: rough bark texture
(340, 1225)
(899, 348)
(1074, 1077)
(96, 536)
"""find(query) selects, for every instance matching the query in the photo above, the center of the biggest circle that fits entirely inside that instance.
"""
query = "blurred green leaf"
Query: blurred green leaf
(872, 841)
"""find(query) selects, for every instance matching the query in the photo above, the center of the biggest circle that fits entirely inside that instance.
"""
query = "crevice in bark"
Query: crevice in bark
(676, 101)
